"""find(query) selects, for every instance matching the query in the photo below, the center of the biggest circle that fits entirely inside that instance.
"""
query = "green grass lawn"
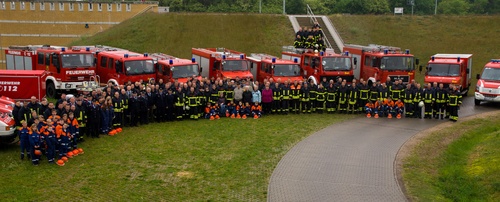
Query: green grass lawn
(459, 163)
(221, 160)
(426, 35)
(176, 33)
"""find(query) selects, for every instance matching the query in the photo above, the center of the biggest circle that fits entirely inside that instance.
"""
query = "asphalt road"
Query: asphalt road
(352, 160)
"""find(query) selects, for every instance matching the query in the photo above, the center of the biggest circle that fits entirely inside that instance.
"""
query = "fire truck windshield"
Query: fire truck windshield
(136, 67)
(492, 74)
(336, 64)
(443, 70)
(235, 65)
(77, 60)
(184, 71)
(287, 70)
(397, 63)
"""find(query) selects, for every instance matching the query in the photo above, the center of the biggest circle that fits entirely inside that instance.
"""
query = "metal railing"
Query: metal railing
(313, 19)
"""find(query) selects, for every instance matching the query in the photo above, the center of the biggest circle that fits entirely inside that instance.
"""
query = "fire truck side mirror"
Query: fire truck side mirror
(467, 71)
(478, 76)
(201, 70)
(56, 62)
(118, 66)
(420, 68)
(355, 61)
(417, 61)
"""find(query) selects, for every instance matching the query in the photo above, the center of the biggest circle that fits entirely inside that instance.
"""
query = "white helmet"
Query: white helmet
(421, 104)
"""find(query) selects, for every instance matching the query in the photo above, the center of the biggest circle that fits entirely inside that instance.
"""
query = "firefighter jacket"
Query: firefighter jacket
(298, 43)
(418, 95)
(428, 95)
(124, 98)
(343, 94)
(383, 93)
(321, 95)
(305, 94)
(374, 93)
(179, 99)
(454, 98)
(285, 92)
(408, 95)
(364, 92)
(396, 91)
(214, 95)
(353, 95)
(117, 105)
(441, 96)
(313, 92)
(229, 95)
(81, 115)
(277, 94)
(295, 91)
(192, 99)
(331, 94)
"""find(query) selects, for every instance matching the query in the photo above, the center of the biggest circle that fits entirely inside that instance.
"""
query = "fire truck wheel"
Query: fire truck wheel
(51, 90)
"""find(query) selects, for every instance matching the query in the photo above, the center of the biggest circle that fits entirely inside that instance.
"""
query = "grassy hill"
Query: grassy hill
(176, 34)
(427, 35)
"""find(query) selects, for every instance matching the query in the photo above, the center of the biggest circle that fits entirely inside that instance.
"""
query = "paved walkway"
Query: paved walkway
(350, 161)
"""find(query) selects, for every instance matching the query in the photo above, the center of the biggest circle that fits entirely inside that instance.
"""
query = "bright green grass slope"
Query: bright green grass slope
(176, 34)
(427, 35)
(221, 160)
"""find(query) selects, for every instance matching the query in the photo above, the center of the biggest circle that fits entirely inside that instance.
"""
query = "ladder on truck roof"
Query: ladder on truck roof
(262, 56)
(35, 47)
(228, 53)
(162, 56)
(99, 48)
(374, 47)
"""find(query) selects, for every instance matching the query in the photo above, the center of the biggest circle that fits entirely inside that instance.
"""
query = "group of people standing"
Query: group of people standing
(310, 38)
(58, 127)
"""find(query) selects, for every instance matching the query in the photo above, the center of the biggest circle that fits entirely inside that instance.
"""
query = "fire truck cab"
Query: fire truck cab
(450, 69)
(68, 69)
(170, 68)
(319, 65)
(488, 83)
(120, 66)
(377, 62)
(268, 66)
(222, 63)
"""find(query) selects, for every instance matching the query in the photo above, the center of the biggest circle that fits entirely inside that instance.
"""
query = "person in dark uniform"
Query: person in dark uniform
(143, 108)
(343, 94)
(161, 105)
(118, 110)
(94, 118)
(170, 103)
(134, 108)
(192, 103)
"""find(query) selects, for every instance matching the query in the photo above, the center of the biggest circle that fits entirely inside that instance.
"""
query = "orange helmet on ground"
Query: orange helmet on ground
(60, 162)
(65, 159)
(69, 154)
(38, 152)
(80, 150)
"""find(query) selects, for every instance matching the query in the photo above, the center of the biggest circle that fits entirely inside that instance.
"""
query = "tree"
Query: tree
(456, 7)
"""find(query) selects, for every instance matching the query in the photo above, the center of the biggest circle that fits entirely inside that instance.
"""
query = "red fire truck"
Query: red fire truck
(488, 83)
(170, 68)
(267, 66)
(319, 65)
(450, 69)
(221, 62)
(120, 66)
(377, 62)
(68, 69)
(22, 84)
